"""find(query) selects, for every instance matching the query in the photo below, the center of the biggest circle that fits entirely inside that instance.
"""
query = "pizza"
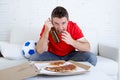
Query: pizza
(57, 63)
(63, 68)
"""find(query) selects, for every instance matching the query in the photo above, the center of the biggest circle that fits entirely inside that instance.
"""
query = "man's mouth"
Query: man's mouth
(61, 31)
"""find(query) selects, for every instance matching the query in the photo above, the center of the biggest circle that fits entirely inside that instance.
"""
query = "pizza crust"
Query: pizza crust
(57, 63)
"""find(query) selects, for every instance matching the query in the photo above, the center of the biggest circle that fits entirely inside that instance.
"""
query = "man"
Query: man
(71, 38)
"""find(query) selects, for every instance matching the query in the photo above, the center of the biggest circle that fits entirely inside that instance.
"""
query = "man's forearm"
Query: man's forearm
(42, 44)
(82, 46)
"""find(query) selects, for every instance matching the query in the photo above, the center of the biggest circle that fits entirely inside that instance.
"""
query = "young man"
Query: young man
(71, 38)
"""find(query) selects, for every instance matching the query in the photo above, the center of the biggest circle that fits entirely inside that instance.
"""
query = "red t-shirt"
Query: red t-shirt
(61, 48)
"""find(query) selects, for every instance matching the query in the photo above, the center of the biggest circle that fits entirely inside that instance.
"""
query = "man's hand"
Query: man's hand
(48, 24)
(81, 44)
(66, 37)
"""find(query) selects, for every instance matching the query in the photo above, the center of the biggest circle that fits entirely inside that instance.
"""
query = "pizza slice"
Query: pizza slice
(64, 68)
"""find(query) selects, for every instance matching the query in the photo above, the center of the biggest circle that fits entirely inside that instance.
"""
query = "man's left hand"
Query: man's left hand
(66, 37)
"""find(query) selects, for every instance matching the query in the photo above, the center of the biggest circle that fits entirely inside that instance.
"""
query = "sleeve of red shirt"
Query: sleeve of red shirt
(78, 32)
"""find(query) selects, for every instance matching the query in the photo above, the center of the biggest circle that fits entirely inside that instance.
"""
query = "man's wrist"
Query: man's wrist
(73, 42)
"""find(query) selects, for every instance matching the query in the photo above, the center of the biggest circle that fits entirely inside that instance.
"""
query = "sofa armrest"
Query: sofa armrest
(119, 67)
(109, 51)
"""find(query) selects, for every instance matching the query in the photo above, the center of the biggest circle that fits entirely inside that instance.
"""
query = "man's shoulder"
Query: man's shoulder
(72, 24)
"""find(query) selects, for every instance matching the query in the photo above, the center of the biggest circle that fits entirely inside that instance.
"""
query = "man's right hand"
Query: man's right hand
(48, 24)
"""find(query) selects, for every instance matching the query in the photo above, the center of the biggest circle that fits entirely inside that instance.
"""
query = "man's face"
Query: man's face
(60, 24)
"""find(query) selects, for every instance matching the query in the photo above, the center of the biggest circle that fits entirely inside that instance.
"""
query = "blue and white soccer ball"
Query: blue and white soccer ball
(28, 48)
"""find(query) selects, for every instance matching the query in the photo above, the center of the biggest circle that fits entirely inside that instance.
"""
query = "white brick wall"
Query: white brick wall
(101, 17)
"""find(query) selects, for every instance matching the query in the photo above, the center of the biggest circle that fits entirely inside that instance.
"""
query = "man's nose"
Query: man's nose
(60, 26)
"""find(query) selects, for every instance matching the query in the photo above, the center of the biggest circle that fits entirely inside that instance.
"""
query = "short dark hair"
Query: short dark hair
(59, 12)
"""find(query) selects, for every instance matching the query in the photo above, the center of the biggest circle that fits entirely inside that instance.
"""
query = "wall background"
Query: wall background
(101, 17)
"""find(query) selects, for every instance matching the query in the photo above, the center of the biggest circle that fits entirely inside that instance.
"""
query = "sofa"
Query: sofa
(107, 55)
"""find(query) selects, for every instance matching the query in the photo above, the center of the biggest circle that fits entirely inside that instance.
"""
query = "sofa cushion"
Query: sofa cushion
(92, 36)
(109, 66)
(19, 35)
(11, 51)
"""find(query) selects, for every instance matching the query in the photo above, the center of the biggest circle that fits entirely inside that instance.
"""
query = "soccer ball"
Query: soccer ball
(28, 48)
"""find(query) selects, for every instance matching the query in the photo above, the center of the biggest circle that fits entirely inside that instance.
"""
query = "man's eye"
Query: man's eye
(63, 23)
(56, 24)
